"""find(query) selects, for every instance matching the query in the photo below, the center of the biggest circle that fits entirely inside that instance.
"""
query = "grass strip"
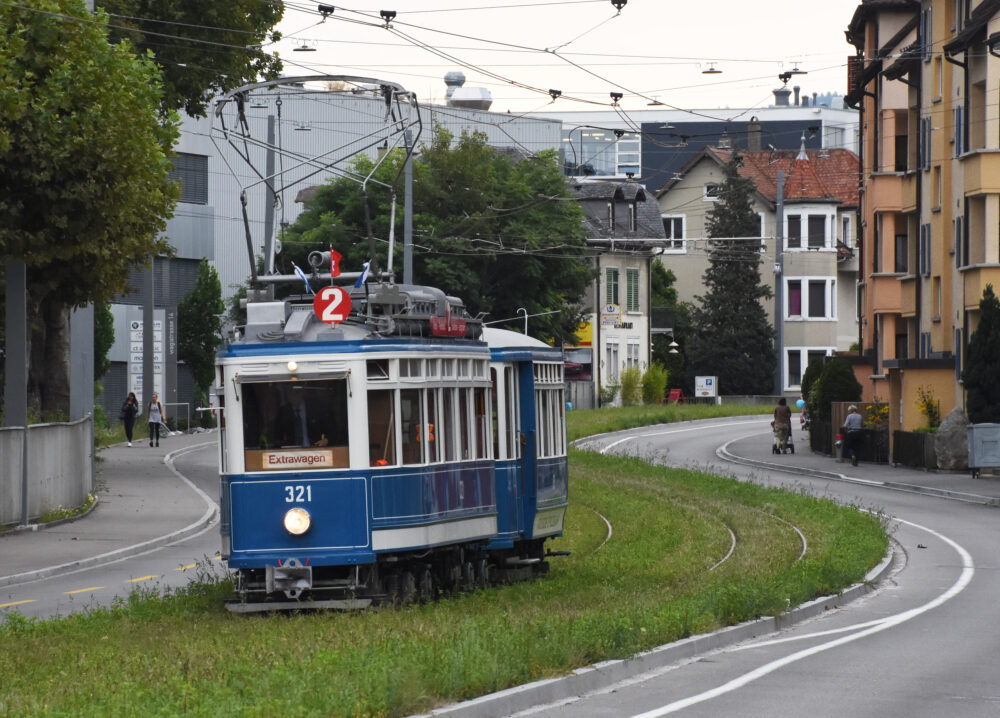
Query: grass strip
(182, 653)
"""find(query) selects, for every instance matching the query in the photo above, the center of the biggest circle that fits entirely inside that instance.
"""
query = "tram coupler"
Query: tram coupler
(291, 578)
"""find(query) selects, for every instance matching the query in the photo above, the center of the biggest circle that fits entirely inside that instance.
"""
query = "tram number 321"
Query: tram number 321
(298, 494)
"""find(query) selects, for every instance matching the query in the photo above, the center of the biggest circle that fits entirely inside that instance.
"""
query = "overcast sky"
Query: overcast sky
(652, 49)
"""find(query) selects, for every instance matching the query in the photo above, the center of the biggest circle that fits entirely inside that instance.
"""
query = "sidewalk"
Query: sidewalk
(142, 503)
(756, 451)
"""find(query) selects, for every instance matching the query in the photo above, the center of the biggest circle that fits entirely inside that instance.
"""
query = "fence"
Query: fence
(60, 468)
(914, 449)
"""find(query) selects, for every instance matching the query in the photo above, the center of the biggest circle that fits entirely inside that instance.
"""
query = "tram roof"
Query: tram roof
(514, 346)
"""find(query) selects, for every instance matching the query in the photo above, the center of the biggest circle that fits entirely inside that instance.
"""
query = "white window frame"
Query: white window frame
(612, 369)
(675, 245)
(830, 299)
(632, 353)
(803, 353)
(711, 191)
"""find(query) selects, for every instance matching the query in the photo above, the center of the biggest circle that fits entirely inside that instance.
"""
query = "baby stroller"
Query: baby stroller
(782, 439)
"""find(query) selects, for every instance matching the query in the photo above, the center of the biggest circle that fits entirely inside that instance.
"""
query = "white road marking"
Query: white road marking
(968, 571)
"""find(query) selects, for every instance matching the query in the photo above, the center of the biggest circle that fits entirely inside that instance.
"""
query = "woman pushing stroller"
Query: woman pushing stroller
(782, 426)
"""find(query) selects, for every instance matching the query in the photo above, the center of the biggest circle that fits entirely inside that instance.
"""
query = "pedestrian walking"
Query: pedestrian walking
(852, 433)
(782, 426)
(130, 409)
(155, 417)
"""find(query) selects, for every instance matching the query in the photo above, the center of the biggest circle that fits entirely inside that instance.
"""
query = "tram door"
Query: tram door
(527, 444)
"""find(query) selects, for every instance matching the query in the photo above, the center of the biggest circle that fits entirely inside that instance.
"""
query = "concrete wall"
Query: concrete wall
(60, 468)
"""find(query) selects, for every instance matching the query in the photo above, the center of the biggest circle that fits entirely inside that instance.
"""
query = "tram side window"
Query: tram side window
(381, 428)
(447, 429)
(433, 430)
(550, 419)
(463, 420)
(495, 419)
(481, 427)
(410, 423)
(510, 399)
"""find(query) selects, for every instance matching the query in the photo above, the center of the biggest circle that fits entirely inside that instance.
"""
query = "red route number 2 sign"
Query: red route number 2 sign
(332, 305)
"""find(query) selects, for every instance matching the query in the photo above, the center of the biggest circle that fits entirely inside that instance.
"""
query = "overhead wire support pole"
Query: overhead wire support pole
(779, 280)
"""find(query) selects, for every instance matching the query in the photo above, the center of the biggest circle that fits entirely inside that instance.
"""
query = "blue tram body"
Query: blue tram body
(387, 457)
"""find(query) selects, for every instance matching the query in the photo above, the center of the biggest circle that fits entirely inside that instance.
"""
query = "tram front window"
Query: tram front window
(295, 416)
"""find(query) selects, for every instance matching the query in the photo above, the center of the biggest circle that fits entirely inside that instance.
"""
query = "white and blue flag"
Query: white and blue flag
(303, 277)
(364, 276)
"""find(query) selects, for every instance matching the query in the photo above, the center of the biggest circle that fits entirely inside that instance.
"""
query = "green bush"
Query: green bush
(654, 384)
(836, 382)
(608, 393)
(631, 379)
(982, 363)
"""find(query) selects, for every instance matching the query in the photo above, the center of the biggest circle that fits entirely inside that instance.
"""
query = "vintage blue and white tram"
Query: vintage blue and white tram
(403, 451)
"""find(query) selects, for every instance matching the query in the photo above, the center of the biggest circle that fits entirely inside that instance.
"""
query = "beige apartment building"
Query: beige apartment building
(925, 81)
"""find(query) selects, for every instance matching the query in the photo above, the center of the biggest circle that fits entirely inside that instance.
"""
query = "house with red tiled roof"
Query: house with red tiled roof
(809, 262)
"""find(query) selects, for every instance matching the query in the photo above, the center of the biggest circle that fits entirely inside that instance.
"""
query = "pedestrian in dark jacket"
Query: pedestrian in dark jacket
(130, 409)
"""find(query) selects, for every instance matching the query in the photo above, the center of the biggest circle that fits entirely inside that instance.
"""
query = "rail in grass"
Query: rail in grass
(403, 451)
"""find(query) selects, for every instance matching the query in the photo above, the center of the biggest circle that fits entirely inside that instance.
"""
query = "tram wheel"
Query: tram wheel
(468, 575)
(482, 573)
(426, 585)
(406, 591)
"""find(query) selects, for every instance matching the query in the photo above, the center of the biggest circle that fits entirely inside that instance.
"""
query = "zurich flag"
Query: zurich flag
(303, 277)
(363, 278)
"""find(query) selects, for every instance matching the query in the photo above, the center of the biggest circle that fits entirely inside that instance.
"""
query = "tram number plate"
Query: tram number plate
(332, 305)
(298, 494)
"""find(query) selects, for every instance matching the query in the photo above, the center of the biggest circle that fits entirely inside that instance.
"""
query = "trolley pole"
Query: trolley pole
(408, 211)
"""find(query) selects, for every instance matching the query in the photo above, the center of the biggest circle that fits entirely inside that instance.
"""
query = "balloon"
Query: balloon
(800, 403)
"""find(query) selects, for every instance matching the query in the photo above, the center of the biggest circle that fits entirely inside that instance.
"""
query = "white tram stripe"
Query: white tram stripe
(434, 534)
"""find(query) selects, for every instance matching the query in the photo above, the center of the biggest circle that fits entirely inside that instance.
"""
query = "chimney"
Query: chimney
(815, 98)
(781, 97)
(753, 135)
(796, 88)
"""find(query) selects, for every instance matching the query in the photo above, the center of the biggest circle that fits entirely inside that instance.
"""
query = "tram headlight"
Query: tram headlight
(292, 366)
(297, 521)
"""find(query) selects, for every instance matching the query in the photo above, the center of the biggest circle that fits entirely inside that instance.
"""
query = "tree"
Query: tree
(84, 188)
(199, 326)
(202, 48)
(982, 363)
(104, 338)
(498, 233)
(732, 338)
(836, 382)
(663, 295)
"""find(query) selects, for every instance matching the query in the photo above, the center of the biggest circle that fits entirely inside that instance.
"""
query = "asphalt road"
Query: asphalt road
(926, 643)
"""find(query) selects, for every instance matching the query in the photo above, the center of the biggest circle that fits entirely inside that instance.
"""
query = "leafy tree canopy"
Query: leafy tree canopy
(83, 155)
(84, 190)
(498, 233)
(733, 339)
(982, 363)
(203, 48)
(836, 382)
(199, 325)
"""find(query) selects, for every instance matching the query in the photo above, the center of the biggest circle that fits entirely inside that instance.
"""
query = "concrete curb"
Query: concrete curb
(210, 516)
(606, 674)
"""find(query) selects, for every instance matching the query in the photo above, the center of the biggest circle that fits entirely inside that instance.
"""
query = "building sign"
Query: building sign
(705, 386)
(611, 315)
